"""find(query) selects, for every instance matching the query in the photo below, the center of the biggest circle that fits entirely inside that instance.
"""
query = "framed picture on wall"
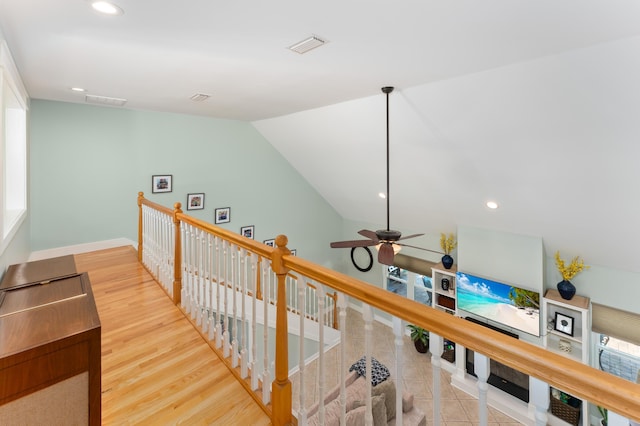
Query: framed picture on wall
(222, 215)
(247, 231)
(161, 183)
(564, 324)
(195, 201)
(271, 242)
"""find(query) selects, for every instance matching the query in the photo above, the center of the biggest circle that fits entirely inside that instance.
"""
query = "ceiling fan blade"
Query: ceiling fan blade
(410, 236)
(419, 248)
(385, 254)
(368, 234)
(353, 243)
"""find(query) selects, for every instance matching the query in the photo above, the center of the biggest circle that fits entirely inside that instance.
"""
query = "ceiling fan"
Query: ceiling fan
(385, 239)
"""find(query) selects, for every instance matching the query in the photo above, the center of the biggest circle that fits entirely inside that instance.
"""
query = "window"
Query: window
(409, 284)
(13, 138)
(619, 357)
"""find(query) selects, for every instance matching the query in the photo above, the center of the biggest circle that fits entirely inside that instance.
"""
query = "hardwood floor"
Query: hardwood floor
(156, 368)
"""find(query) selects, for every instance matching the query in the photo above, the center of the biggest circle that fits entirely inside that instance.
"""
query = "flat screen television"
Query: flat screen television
(503, 303)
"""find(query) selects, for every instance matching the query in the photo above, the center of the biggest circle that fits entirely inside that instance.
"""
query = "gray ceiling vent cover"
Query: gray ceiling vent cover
(104, 100)
(199, 97)
(307, 44)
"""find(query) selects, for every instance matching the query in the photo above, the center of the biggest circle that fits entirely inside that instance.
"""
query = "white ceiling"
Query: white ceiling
(532, 103)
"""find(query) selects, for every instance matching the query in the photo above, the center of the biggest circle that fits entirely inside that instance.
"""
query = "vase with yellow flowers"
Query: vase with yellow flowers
(447, 243)
(565, 288)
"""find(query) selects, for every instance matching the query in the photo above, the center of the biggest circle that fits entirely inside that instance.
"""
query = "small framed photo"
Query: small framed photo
(222, 215)
(161, 183)
(195, 201)
(564, 324)
(270, 243)
(294, 252)
(247, 231)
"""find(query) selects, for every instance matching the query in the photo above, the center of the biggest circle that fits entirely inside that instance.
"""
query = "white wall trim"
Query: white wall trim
(82, 248)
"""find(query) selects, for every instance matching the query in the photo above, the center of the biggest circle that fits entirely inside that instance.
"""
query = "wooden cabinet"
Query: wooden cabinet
(49, 346)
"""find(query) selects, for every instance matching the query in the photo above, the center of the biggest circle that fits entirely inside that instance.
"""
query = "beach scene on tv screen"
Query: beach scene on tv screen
(502, 303)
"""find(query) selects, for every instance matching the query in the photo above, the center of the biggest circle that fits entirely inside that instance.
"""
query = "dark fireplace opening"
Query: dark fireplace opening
(501, 376)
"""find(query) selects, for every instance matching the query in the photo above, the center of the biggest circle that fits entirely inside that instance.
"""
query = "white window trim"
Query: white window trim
(9, 72)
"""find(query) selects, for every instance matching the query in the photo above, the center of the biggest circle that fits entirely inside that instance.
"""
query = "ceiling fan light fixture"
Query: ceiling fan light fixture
(396, 248)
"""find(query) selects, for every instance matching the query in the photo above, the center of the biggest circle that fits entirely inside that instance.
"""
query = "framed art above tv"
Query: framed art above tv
(506, 304)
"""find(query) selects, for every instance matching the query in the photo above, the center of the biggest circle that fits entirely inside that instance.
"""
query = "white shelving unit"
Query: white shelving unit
(570, 337)
(445, 300)
(574, 341)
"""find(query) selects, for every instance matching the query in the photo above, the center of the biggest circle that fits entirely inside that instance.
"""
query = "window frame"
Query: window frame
(10, 80)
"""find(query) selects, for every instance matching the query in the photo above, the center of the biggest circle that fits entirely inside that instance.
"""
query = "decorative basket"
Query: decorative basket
(565, 411)
(449, 355)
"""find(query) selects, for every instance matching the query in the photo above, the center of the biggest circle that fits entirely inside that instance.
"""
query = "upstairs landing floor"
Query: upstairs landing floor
(156, 368)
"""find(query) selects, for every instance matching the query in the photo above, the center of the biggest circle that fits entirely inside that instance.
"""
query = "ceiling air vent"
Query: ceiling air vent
(104, 100)
(307, 44)
(199, 97)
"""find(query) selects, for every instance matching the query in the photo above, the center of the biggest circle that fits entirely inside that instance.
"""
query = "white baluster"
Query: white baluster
(199, 277)
(481, 369)
(435, 346)
(234, 282)
(193, 256)
(266, 382)
(266, 385)
(218, 280)
(302, 412)
(368, 330)
(540, 399)
(254, 304)
(243, 352)
(398, 331)
(342, 307)
(321, 373)
(226, 349)
(206, 280)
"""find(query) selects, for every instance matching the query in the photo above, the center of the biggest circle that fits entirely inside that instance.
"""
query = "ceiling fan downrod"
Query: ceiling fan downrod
(386, 90)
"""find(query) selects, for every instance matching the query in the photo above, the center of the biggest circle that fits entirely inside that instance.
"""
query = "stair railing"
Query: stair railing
(236, 262)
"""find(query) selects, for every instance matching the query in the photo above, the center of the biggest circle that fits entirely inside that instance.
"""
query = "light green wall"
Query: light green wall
(88, 164)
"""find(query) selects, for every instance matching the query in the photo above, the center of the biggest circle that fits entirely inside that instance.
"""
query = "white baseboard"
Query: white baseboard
(81, 248)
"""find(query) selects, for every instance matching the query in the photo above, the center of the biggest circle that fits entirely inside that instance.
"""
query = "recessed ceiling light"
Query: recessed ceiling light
(492, 205)
(107, 8)
(78, 89)
(382, 195)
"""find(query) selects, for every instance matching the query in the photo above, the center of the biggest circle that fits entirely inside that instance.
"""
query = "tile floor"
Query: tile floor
(458, 408)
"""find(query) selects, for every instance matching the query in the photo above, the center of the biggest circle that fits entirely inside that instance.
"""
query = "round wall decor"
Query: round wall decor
(362, 258)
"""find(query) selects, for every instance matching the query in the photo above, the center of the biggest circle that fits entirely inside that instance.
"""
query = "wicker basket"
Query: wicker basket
(449, 355)
(565, 412)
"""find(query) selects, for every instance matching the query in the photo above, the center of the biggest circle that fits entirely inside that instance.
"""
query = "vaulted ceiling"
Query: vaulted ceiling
(533, 104)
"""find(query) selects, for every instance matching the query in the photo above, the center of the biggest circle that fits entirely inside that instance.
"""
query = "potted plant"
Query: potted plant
(565, 288)
(605, 415)
(447, 244)
(420, 338)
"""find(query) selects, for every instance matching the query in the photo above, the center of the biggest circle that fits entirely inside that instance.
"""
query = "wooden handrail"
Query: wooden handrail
(616, 394)
(606, 390)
